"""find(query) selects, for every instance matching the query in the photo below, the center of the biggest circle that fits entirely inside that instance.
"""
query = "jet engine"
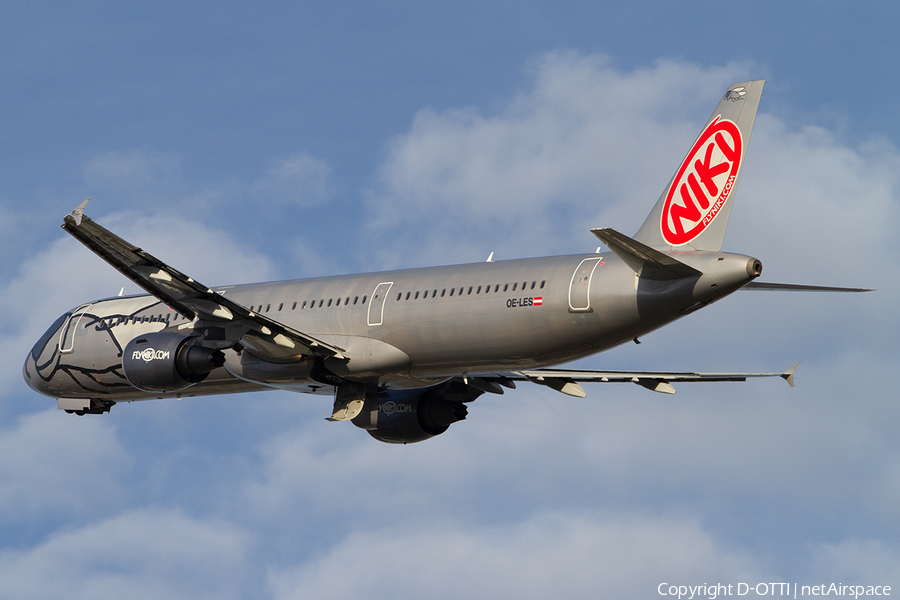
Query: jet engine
(168, 361)
(399, 417)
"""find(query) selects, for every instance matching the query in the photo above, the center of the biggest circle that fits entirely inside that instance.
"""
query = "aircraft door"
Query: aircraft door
(376, 304)
(580, 286)
(69, 330)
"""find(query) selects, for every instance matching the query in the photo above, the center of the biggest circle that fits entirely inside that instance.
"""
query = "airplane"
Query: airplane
(403, 352)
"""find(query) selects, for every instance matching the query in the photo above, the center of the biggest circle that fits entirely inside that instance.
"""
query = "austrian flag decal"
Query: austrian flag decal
(538, 300)
(703, 183)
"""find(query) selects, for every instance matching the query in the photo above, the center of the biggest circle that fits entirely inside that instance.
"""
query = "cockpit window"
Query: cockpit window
(42, 343)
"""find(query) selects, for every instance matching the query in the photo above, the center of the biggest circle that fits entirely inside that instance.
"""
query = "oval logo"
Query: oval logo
(390, 407)
(703, 183)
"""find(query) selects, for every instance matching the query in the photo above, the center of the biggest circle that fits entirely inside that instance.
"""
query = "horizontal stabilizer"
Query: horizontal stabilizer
(795, 287)
(644, 260)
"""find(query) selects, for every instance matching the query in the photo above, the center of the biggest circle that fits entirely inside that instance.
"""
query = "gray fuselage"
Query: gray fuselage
(399, 329)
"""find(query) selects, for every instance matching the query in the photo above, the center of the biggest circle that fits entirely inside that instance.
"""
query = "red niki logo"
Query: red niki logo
(703, 182)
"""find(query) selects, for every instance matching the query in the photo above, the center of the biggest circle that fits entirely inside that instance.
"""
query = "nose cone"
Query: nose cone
(34, 379)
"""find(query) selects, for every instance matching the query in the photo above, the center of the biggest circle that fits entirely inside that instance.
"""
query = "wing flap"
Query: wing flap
(566, 381)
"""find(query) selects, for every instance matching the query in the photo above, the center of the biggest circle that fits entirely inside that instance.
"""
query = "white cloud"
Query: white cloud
(586, 144)
(857, 562)
(55, 467)
(546, 556)
(811, 204)
(140, 554)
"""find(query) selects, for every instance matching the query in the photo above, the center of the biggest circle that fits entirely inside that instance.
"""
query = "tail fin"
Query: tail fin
(693, 211)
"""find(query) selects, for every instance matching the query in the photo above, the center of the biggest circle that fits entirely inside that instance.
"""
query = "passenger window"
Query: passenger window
(532, 284)
(280, 306)
(268, 306)
(496, 288)
(302, 306)
(400, 295)
(321, 302)
(294, 307)
(505, 287)
(407, 295)
(542, 284)
(478, 291)
(470, 290)
(416, 296)
(355, 299)
(329, 302)
(434, 294)
(364, 300)
(347, 301)
(514, 286)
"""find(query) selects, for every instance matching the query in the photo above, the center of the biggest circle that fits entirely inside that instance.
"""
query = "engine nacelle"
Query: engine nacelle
(406, 417)
(168, 361)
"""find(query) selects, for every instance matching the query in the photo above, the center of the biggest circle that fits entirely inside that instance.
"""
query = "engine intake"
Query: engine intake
(168, 362)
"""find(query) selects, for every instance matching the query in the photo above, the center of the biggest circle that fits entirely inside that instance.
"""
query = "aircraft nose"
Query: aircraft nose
(33, 378)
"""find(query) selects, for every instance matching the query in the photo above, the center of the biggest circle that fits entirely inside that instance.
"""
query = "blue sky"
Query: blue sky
(248, 143)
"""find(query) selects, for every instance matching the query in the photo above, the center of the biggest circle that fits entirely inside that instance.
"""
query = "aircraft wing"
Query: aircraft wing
(566, 380)
(266, 337)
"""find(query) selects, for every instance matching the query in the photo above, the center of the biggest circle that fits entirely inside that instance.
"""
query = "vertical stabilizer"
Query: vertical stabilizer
(693, 211)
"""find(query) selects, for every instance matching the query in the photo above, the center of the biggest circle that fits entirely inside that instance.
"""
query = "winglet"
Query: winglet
(78, 212)
(789, 374)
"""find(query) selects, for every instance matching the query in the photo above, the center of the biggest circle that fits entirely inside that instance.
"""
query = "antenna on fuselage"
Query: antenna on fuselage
(490, 258)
